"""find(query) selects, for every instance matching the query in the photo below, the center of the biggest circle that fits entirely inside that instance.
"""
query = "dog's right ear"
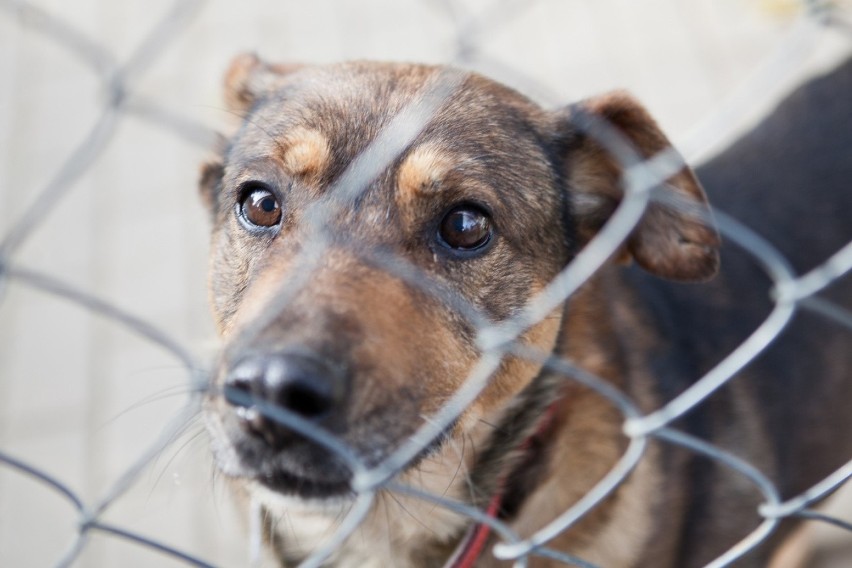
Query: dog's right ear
(209, 184)
(675, 238)
(249, 79)
(211, 174)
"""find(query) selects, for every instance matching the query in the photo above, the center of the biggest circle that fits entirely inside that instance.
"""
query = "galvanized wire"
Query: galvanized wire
(790, 292)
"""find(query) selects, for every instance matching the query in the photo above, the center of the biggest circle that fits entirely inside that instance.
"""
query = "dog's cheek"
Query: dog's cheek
(508, 287)
(515, 373)
(230, 269)
(501, 287)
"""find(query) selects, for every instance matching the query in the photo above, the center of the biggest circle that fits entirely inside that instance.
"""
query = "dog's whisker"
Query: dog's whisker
(460, 468)
(401, 506)
(164, 394)
(195, 437)
(499, 428)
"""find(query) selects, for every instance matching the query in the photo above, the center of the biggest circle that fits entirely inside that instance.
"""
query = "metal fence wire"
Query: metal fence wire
(790, 292)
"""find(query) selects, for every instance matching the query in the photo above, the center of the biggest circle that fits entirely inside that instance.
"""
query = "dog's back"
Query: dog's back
(790, 182)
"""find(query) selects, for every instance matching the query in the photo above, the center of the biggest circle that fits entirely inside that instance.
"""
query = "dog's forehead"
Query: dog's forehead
(335, 111)
(347, 105)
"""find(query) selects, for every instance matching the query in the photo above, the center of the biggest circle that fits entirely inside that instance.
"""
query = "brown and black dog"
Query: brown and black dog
(356, 302)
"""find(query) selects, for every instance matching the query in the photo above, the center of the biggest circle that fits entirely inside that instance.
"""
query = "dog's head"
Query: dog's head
(369, 220)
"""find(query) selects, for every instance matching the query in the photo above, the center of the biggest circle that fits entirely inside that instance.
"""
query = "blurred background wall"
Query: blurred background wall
(81, 397)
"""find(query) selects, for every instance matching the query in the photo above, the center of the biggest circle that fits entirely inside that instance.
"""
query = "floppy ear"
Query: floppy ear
(675, 238)
(248, 79)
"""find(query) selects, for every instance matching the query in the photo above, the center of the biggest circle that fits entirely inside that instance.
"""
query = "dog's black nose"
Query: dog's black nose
(304, 386)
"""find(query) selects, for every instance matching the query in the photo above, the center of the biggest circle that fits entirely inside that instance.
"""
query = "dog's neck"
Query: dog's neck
(515, 479)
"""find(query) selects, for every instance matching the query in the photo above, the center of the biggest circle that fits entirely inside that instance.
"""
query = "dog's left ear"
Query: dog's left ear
(249, 79)
(675, 238)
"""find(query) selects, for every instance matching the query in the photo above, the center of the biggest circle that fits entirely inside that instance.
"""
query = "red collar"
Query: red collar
(471, 546)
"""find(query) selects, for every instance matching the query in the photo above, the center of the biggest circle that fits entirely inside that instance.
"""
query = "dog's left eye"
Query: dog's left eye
(466, 228)
(260, 207)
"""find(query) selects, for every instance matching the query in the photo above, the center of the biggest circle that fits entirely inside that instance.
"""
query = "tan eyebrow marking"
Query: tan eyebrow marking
(307, 152)
(421, 171)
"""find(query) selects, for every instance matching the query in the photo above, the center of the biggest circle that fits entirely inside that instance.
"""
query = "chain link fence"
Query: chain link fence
(468, 28)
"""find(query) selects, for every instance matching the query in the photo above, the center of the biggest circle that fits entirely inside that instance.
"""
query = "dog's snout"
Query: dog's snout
(304, 386)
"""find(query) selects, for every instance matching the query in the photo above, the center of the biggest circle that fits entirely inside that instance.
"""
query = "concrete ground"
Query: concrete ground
(82, 398)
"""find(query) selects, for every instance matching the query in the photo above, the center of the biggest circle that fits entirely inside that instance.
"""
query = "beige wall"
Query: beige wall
(81, 397)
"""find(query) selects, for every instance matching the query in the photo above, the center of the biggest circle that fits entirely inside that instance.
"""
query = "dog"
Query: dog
(355, 265)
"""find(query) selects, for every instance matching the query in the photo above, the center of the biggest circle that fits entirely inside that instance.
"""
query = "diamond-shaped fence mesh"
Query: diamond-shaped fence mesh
(59, 367)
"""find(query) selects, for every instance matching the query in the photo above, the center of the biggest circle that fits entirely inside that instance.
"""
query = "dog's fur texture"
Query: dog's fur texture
(386, 352)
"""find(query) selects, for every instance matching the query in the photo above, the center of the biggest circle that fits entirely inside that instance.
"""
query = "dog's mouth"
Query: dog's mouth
(286, 483)
(303, 468)
(291, 474)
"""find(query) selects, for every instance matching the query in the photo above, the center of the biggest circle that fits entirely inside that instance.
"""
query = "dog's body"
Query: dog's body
(486, 204)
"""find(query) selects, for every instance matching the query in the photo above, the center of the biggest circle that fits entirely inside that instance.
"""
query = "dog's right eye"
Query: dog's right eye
(466, 228)
(260, 208)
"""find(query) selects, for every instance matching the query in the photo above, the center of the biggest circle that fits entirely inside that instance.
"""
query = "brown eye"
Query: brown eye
(260, 208)
(466, 228)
